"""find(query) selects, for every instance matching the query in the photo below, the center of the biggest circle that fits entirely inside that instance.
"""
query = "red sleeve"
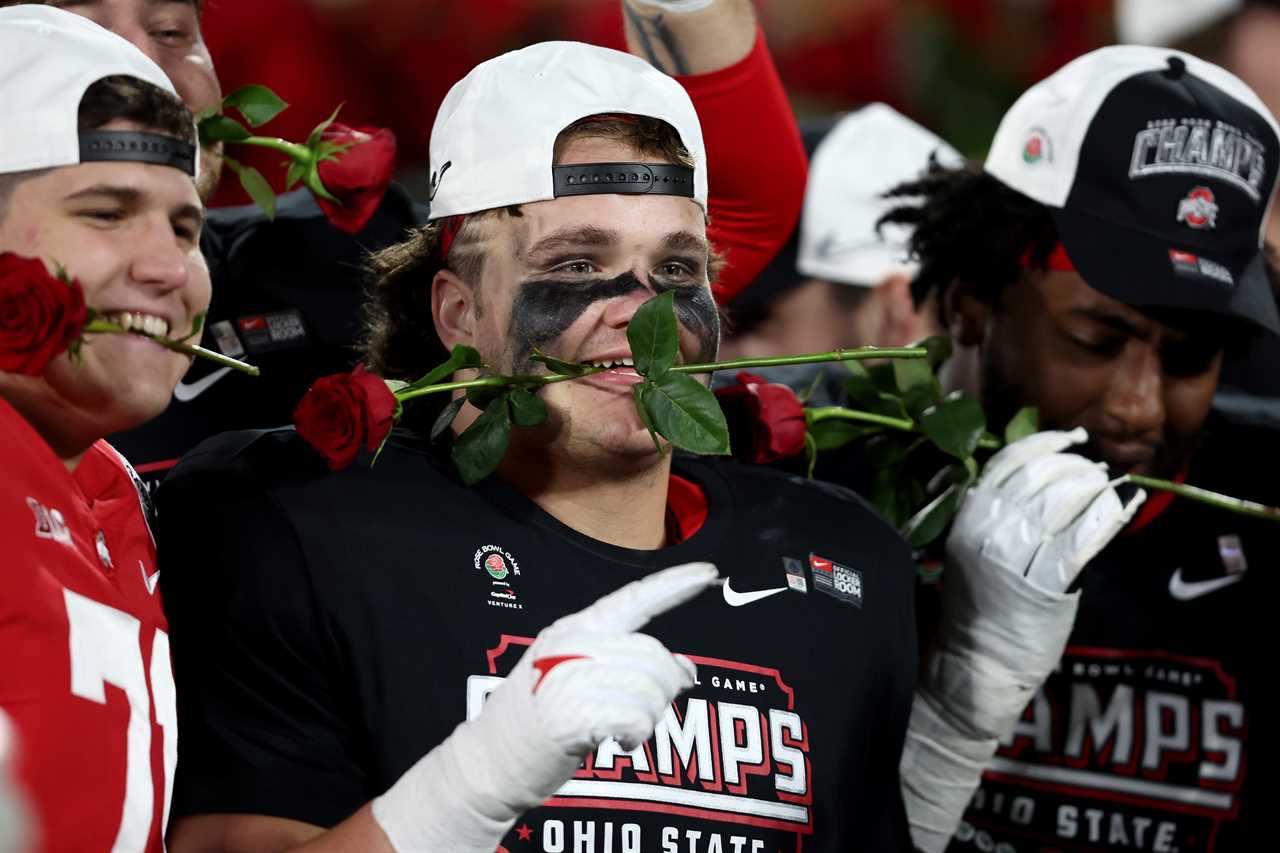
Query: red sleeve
(756, 164)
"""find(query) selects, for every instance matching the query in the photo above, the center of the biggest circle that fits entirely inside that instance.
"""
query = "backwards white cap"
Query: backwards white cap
(48, 58)
(1163, 23)
(865, 154)
(494, 137)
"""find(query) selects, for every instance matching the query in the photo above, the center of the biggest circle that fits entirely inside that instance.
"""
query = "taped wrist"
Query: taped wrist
(436, 808)
(1001, 636)
(939, 771)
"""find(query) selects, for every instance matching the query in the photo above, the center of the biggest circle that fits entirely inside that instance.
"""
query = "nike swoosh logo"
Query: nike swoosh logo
(1189, 590)
(737, 599)
(149, 580)
(185, 393)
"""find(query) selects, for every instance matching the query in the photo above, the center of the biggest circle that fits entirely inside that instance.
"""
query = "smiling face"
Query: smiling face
(129, 232)
(567, 276)
(1141, 387)
(167, 31)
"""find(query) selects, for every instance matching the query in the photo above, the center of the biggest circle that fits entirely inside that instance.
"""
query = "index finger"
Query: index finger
(1018, 454)
(631, 607)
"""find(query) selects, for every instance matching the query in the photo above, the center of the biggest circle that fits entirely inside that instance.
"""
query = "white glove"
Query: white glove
(586, 678)
(1021, 537)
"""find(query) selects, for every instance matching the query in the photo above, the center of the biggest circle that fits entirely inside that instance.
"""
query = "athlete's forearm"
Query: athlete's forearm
(255, 833)
(688, 36)
(356, 834)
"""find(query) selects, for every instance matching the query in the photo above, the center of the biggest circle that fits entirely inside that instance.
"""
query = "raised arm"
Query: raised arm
(756, 163)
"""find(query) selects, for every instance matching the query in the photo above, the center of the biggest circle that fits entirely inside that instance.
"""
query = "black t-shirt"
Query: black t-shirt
(328, 629)
(287, 295)
(1155, 732)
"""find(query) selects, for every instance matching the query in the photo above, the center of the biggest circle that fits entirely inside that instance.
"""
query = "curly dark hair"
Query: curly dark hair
(969, 227)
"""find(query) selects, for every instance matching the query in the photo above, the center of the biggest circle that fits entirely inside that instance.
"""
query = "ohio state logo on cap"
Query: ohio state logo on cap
(1198, 210)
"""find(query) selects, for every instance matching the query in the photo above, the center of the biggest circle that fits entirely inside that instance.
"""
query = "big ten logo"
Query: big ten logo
(50, 523)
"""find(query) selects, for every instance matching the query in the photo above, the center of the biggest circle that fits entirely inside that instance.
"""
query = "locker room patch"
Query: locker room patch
(836, 580)
(270, 332)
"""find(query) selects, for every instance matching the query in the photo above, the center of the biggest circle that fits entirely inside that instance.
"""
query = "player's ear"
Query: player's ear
(453, 308)
(967, 313)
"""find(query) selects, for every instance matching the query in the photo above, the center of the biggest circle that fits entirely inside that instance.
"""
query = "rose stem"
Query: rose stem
(177, 346)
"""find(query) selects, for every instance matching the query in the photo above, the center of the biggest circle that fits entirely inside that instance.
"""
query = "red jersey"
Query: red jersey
(85, 679)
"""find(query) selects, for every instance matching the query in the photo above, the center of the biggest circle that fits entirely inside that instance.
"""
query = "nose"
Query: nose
(1134, 404)
(619, 310)
(158, 261)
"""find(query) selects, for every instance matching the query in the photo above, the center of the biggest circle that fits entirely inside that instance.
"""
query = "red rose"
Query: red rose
(339, 413)
(774, 412)
(40, 315)
(358, 176)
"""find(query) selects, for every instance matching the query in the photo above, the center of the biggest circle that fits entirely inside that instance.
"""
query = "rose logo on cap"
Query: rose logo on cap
(1036, 147)
(1199, 210)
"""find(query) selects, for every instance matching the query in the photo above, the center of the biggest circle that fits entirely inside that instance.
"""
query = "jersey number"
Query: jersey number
(106, 649)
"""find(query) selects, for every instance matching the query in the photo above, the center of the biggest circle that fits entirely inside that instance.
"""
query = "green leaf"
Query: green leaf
(916, 384)
(197, 324)
(255, 185)
(955, 425)
(480, 448)
(462, 356)
(445, 419)
(638, 392)
(555, 365)
(864, 394)
(220, 128)
(294, 174)
(928, 524)
(830, 433)
(894, 495)
(256, 103)
(654, 336)
(527, 409)
(686, 413)
(313, 139)
(884, 378)
(483, 396)
(1023, 424)
(939, 347)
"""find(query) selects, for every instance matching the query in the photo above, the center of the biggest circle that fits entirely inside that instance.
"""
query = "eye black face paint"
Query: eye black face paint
(544, 309)
(696, 311)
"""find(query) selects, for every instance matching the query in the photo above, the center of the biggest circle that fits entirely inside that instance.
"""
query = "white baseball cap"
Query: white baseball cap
(1159, 170)
(48, 59)
(493, 140)
(1165, 22)
(865, 154)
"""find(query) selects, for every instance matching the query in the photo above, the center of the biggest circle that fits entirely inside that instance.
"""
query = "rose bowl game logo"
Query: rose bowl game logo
(1199, 210)
(1036, 148)
(496, 566)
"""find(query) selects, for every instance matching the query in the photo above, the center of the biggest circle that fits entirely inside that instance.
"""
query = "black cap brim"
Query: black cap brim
(1147, 271)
